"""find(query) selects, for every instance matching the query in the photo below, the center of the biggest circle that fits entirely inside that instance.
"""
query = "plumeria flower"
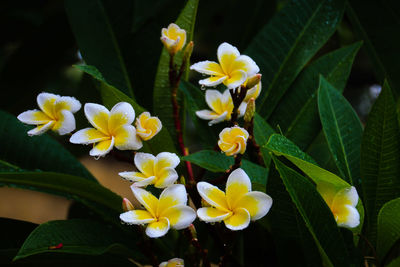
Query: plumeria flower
(221, 106)
(161, 214)
(147, 126)
(111, 128)
(342, 203)
(233, 140)
(232, 70)
(173, 38)
(238, 206)
(175, 262)
(158, 170)
(56, 114)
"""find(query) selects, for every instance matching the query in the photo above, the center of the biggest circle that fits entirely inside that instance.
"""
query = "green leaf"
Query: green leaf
(381, 45)
(36, 152)
(297, 113)
(394, 263)
(98, 42)
(218, 162)
(380, 157)
(91, 194)
(162, 105)
(77, 236)
(285, 45)
(111, 96)
(262, 132)
(317, 216)
(388, 227)
(343, 131)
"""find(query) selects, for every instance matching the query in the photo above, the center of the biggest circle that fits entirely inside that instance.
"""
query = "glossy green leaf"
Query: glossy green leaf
(284, 46)
(262, 132)
(111, 96)
(343, 131)
(394, 263)
(91, 194)
(36, 152)
(381, 45)
(218, 162)
(297, 112)
(388, 227)
(77, 236)
(162, 105)
(317, 216)
(98, 42)
(380, 157)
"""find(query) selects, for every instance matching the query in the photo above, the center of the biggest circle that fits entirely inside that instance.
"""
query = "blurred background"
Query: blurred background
(38, 50)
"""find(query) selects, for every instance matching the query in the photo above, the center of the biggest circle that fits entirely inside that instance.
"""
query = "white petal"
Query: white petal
(352, 218)
(236, 79)
(180, 216)
(349, 193)
(226, 97)
(88, 136)
(145, 163)
(212, 195)
(102, 148)
(250, 67)
(167, 160)
(172, 195)
(208, 67)
(256, 203)
(65, 123)
(206, 114)
(126, 138)
(239, 220)
(132, 176)
(122, 113)
(242, 109)
(158, 229)
(147, 199)
(210, 214)
(34, 117)
(136, 217)
(69, 103)
(226, 49)
(214, 100)
(145, 182)
(41, 128)
(98, 116)
(218, 119)
(237, 185)
(46, 102)
(167, 177)
(213, 81)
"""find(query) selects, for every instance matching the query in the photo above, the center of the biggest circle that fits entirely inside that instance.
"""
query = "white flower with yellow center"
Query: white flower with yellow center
(159, 170)
(173, 38)
(175, 262)
(238, 206)
(342, 203)
(161, 214)
(147, 126)
(111, 128)
(221, 106)
(56, 114)
(233, 140)
(232, 70)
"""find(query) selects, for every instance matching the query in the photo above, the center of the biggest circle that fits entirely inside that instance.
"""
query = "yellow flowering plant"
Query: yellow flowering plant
(234, 142)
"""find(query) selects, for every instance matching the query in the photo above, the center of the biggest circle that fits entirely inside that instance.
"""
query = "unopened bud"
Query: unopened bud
(253, 81)
(250, 110)
(127, 205)
(182, 180)
(187, 53)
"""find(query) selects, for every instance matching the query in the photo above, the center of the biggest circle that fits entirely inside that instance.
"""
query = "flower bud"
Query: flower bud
(127, 205)
(187, 53)
(173, 38)
(253, 81)
(250, 110)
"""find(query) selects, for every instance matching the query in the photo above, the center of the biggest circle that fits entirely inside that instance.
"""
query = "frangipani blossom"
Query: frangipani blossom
(233, 140)
(173, 38)
(232, 70)
(342, 203)
(111, 128)
(221, 106)
(238, 206)
(170, 210)
(159, 170)
(175, 262)
(147, 126)
(56, 114)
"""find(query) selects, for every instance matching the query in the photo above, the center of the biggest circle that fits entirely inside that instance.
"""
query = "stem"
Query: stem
(196, 244)
(237, 99)
(249, 126)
